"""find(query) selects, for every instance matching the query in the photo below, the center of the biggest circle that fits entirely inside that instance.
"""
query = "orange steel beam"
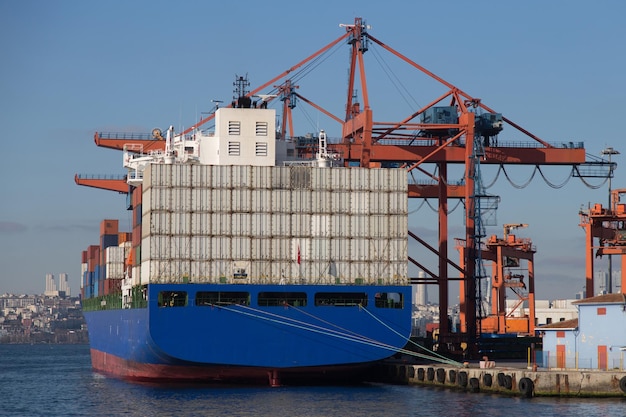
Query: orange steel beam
(118, 185)
(432, 191)
(117, 141)
(456, 154)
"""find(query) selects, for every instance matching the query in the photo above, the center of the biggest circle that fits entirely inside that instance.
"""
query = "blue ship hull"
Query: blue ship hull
(245, 341)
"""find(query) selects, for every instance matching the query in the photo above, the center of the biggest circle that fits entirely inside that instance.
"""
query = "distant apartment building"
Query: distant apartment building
(52, 290)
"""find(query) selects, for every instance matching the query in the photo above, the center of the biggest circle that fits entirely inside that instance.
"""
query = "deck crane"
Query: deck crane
(440, 142)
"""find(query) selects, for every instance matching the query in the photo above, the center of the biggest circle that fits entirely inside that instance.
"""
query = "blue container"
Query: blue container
(107, 241)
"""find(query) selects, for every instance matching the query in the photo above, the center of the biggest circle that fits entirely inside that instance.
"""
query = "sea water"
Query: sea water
(57, 380)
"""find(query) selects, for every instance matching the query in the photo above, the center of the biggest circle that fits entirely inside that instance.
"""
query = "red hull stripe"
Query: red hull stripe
(122, 368)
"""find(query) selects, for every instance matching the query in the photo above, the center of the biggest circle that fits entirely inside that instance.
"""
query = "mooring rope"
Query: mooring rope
(310, 327)
(440, 358)
(345, 334)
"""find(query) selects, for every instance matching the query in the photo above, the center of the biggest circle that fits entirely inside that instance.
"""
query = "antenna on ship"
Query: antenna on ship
(241, 99)
(169, 153)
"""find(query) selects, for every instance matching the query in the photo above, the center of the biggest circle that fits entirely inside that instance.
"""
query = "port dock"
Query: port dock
(513, 380)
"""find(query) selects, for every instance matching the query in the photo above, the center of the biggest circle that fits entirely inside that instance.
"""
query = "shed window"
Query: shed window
(601, 311)
(560, 334)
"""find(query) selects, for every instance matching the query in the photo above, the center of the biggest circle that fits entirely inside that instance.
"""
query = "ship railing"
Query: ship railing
(126, 135)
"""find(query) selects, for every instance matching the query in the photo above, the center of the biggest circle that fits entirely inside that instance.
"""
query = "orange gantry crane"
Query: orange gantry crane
(512, 278)
(608, 226)
(452, 129)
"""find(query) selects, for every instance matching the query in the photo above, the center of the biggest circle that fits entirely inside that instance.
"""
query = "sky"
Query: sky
(71, 68)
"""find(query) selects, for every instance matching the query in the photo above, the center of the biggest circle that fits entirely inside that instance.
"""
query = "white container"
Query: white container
(320, 250)
(261, 200)
(200, 271)
(261, 177)
(260, 225)
(321, 225)
(398, 250)
(379, 202)
(359, 179)
(242, 200)
(301, 225)
(221, 224)
(221, 200)
(220, 247)
(379, 226)
(301, 201)
(240, 224)
(398, 227)
(280, 224)
(340, 179)
(398, 203)
(360, 273)
(201, 199)
(340, 249)
(200, 223)
(321, 179)
(280, 249)
(281, 201)
(359, 249)
(241, 176)
(359, 226)
(181, 175)
(379, 250)
(281, 178)
(221, 176)
(200, 248)
(321, 201)
(340, 225)
(240, 248)
(200, 176)
(360, 202)
(341, 202)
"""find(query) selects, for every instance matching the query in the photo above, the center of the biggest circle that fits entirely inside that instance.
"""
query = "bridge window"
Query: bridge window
(273, 299)
(209, 298)
(341, 299)
(172, 298)
(388, 300)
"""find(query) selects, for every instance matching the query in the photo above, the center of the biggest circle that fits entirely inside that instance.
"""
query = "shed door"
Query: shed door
(602, 358)
(560, 356)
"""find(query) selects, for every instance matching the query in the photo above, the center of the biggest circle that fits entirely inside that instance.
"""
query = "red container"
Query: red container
(93, 258)
(112, 286)
(124, 237)
(83, 259)
(109, 227)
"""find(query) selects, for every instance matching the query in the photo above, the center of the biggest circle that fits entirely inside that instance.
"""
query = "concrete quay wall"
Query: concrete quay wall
(510, 381)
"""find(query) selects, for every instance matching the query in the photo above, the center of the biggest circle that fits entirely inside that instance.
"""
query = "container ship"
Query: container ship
(247, 262)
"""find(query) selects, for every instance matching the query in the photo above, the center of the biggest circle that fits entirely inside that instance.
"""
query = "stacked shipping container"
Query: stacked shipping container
(262, 224)
(102, 267)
